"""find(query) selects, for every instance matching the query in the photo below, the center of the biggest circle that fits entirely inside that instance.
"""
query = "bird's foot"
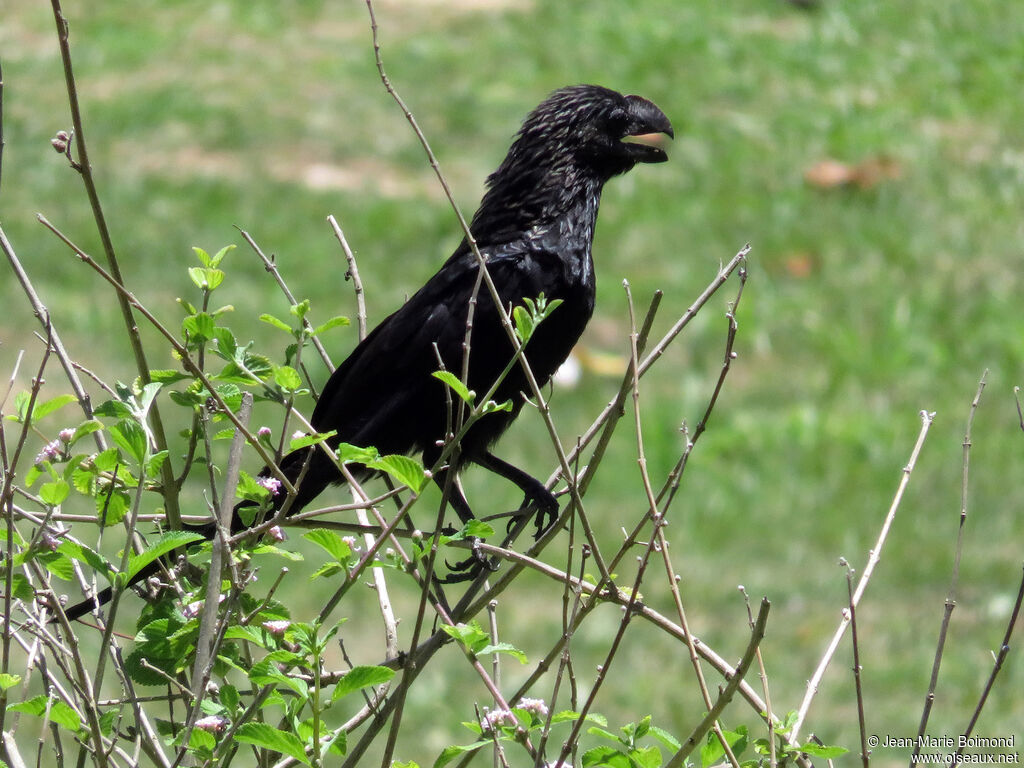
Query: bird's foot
(471, 567)
(540, 504)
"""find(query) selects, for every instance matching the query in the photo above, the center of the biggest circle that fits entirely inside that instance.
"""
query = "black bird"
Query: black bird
(534, 227)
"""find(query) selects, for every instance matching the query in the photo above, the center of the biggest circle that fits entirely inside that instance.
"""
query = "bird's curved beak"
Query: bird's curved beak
(647, 127)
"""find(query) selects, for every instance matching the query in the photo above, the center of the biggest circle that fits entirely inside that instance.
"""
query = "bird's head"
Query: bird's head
(591, 127)
(568, 147)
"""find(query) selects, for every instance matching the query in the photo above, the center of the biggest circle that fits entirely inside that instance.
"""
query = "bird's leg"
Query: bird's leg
(537, 499)
(470, 568)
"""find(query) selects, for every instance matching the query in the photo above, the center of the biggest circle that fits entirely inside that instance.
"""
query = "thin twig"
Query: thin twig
(658, 515)
(756, 635)
(271, 267)
(353, 275)
(865, 753)
(873, 558)
(950, 604)
(772, 756)
(43, 315)
(1004, 649)
(85, 170)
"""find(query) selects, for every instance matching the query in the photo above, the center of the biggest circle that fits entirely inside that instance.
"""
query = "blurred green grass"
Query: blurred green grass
(864, 306)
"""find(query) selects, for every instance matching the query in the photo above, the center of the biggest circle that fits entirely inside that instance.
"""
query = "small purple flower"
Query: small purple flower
(272, 484)
(65, 435)
(212, 723)
(534, 707)
(497, 718)
(263, 432)
(297, 434)
(277, 533)
(277, 627)
(50, 452)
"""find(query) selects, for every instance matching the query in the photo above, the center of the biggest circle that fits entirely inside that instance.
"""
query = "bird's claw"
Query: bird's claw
(471, 567)
(544, 511)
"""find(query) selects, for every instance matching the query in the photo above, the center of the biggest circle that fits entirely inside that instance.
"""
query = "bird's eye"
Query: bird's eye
(617, 121)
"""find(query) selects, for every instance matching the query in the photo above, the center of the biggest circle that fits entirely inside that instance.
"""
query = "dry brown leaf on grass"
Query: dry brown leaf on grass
(867, 174)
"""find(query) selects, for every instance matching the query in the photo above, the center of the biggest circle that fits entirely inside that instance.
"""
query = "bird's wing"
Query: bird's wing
(387, 375)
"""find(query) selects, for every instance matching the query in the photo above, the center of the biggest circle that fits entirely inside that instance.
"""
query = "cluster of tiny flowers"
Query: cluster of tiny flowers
(352, 541)
(534, 707)
(212, 724)
(51, 451)
(497, 718)
(272, 484)
(277, 627)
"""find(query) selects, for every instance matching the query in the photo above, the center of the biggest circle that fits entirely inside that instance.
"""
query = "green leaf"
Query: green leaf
(107, 460)
(822, 751)
(474, 528)
(604, 756)
(280, 324)
(450, 753)
(265, 672)
(268, 737)
(349, 452)
(300, 309)
(524, 322)
(492, 407)
(90, 557)
(54, 493)
(645, 757)
(49, 406)
(168, 376)
(156, 461)
(361, 677)
(331, 542)
(304, 440)
(130, 437)
(20, 587)
(712, 752)
(244, 633)
(7, 681)
(403, 469)
(249, 489)
(59, 712)
(149, 393)
(107, 720)
(86, 428)
(114, 409)
(508, 648)
(204, 257)
(470, 635)
(666, 738)
(334, 322)
(287, 378)
(199, 327)
(456, 385)
(168, 541)
(227, 344)
(112, 506)
(59, 565)
(216, 260)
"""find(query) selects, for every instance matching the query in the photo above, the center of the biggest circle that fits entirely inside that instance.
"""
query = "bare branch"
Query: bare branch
(873, 557)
